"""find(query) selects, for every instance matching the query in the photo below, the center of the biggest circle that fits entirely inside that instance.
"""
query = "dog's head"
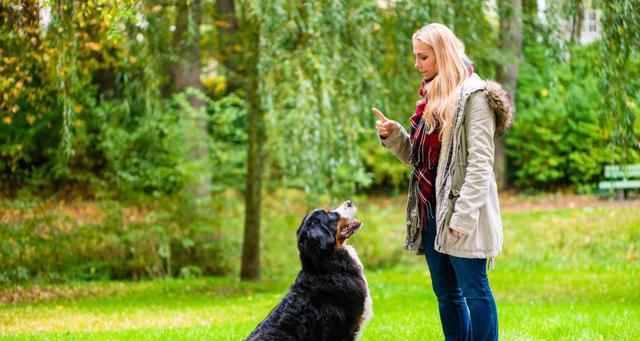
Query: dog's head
(322, 232)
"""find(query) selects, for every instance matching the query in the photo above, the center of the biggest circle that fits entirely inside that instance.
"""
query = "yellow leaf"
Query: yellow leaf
(7, 119)
(544, 92)
(220, 88)
(77, 108)
(93, 46)
(15, 109)
(222, 24)
(31, 119)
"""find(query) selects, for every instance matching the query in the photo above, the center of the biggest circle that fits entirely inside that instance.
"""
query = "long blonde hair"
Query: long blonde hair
(442, 91)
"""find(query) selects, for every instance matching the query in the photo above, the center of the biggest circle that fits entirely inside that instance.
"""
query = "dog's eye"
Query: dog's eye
(314, 221)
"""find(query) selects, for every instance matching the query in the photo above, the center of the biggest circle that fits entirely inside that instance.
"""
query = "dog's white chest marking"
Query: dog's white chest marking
(368, 302)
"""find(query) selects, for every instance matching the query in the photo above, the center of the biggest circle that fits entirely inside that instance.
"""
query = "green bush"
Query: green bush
(163, 240)
(387, 171)
(228, 131)
(141, 151)
(559, 137)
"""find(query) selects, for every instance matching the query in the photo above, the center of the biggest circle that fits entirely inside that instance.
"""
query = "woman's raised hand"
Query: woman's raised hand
(384, 126)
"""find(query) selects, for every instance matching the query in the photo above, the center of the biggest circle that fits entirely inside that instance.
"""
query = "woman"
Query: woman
(453, 213)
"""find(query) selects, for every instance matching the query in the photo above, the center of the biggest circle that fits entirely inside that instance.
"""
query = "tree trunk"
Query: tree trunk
(244, 66)
(507, 73)
(185, 73)
(186, 70)
(255, 161)
(255, 156)
(577, 9)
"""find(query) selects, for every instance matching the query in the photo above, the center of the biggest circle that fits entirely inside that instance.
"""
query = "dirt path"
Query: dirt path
(510, 201)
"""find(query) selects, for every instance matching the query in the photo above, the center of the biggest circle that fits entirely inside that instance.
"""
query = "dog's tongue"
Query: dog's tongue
(350, 229)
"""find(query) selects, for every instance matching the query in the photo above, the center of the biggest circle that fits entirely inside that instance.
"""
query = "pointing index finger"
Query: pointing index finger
(379, 114)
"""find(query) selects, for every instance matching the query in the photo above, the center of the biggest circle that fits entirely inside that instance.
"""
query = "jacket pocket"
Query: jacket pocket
(451, 203)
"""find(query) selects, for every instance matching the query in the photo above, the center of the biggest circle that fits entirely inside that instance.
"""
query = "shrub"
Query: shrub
(559, 137)
(41, 243)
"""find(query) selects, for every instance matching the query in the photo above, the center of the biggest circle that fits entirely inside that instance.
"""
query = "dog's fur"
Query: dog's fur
(329, 300)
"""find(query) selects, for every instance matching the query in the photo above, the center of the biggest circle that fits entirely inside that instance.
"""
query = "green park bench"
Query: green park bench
(620, 179)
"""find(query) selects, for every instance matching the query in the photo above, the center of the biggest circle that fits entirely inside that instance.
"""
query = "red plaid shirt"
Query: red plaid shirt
(424, 156)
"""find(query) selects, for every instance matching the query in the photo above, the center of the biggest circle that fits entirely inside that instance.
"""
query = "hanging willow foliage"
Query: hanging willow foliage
(67, 75)
(315, 87)
(620, 22)
(78, 31)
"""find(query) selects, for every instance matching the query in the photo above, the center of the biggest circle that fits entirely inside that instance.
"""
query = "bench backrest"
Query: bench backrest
(626, 171)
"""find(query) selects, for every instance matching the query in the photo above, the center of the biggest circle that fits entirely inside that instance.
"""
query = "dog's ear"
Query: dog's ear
(321, 237)
(301, 225)
(314, 236)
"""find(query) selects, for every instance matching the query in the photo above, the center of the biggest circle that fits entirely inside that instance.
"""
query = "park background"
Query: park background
(157, 156)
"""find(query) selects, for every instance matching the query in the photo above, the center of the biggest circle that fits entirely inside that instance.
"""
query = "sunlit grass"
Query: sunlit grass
(533, 305)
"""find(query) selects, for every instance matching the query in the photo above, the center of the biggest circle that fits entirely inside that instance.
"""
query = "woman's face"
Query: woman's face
(425, 59)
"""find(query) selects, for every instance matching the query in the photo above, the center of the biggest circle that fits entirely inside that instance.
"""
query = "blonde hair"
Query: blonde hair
(442, 91)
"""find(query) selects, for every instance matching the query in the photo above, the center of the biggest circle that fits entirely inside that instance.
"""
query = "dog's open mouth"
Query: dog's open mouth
(349, 229)
(348, 224)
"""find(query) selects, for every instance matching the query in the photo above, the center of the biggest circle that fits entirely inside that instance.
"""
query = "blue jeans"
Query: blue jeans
(467, 308)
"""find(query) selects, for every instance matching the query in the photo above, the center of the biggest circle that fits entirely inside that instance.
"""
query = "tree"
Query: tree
(185, 73)
(576, 11)
(239, 51)
(310, 89)
(510, 12)
(621, 38)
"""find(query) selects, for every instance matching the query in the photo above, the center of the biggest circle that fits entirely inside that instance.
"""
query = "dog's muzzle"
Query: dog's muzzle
(348, 223)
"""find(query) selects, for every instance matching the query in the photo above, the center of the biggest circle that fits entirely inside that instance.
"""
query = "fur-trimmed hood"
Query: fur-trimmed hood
(501, 104)
(498, 99)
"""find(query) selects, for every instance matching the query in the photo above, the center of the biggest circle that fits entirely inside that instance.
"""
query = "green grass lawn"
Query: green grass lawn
(566, 274)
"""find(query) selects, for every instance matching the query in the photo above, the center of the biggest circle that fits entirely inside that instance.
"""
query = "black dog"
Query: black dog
(329, 300)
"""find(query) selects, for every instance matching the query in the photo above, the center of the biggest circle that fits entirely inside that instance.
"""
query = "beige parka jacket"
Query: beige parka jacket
(466, 190)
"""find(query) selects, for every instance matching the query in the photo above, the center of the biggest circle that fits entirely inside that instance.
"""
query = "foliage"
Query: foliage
(620, 22)
(142, 154)
(28, 105)
(386, 170)
(56, 70)
(558, 137)
(314, 98)
(95, 109)
(227, 128)
(107, 241)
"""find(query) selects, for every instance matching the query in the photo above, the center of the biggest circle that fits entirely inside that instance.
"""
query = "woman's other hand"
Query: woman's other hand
(384, 126)
(456, 233)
